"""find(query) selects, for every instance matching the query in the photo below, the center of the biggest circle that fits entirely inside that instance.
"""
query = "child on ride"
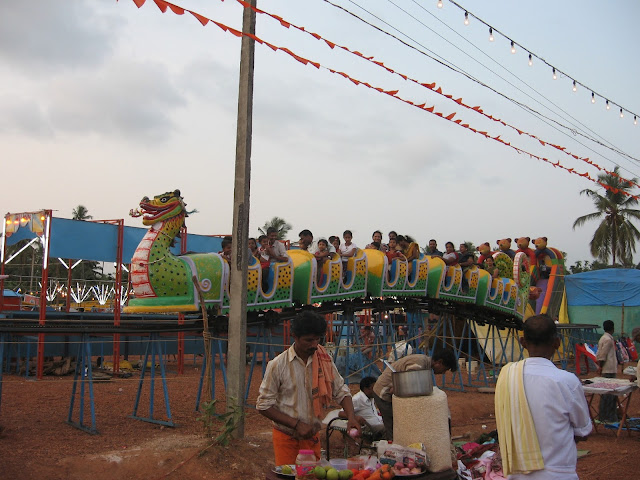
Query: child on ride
(321, 256)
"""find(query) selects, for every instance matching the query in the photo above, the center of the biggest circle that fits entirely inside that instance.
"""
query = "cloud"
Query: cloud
(128, 100)
(22, 115)
(41, 35)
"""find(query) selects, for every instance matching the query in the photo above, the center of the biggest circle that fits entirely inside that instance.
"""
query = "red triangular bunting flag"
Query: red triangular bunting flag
(139, 3)
(176, 9)
(203, 20)
(162, 5)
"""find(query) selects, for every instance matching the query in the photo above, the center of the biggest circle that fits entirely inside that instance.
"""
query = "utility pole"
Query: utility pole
(236, 354)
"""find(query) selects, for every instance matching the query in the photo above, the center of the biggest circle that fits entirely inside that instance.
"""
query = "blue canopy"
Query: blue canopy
(98, 241)
(610, 287)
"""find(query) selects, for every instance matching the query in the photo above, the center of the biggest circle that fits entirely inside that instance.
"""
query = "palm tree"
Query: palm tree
(616, 236)
(81, 213)
(280, 224)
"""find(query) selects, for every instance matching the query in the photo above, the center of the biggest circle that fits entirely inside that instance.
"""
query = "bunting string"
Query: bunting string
(164, 5)
(432, 86)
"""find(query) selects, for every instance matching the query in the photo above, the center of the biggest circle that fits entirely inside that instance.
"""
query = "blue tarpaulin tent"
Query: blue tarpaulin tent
(98, 241)
(593, 297)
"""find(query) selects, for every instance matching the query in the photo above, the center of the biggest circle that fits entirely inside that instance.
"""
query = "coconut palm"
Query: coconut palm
(81, 213)
(616, 236)
(280, 224)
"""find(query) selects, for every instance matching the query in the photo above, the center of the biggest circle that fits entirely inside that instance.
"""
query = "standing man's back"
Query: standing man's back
(541, 410)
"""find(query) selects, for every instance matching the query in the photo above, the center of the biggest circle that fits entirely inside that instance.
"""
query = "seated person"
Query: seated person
(334, 243)
(347, 250)
(226, 250)
(253, 247)
(466, 260)
(410, 250)
(377, 240)
(490, 266)
(450, 256)
(321, 254)
(263, 258)
(364, 407)
(392, 253)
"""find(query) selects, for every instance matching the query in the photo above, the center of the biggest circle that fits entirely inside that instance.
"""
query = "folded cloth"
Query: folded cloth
(516, 431)
(322, 380)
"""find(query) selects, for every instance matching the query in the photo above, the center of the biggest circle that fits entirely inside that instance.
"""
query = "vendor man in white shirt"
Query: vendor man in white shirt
(297, 386)
(440, 362)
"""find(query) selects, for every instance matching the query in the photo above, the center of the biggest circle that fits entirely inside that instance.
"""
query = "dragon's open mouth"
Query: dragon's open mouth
(153, 212)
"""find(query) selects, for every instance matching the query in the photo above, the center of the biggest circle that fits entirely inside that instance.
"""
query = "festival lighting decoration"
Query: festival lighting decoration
(608, 107)
(575, 88)
(593, 98)
(440, 4)
(531, 54)
(163, 5)
(466, 18)
(513, 48)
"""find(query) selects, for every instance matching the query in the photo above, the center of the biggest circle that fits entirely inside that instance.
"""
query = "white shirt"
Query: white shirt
(287, 387)
(607, 353)
(346, 249)
(365, 407)
(279, 250)
(560, 412)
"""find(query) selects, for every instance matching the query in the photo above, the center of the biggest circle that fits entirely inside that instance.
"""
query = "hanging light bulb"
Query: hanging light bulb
(490, 34)
(530, 61)
(635, 120)
(439, 3)
(466, 18)
(621, 114)
(593, 98)
(575, 88)
(513, 47)
(608, 107)
(555, 77)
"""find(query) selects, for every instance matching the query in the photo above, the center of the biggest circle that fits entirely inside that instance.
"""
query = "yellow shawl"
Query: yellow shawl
(516, 431)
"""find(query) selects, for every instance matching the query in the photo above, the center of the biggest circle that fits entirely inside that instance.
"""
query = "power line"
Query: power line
(553, 68)
(458, 70)
(610, 145)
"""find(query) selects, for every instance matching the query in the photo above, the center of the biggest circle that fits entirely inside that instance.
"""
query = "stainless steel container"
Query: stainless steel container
(412, 383)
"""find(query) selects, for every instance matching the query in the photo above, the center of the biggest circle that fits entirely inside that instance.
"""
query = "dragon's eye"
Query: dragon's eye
(164, 199)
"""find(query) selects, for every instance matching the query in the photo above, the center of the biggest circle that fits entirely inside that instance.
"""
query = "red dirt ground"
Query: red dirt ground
(36, 442)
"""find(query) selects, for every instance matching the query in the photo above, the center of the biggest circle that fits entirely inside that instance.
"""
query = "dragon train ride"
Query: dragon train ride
(164, 282)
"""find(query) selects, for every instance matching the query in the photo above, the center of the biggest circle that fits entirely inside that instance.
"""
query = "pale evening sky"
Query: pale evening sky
(102, 103)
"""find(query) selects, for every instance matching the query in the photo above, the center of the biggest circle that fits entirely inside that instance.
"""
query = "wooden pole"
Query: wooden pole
(236, 357)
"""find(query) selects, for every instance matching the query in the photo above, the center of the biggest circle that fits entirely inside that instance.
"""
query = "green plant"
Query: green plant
(229, 420)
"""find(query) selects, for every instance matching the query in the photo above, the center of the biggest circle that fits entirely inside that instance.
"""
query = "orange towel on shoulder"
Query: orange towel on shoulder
(322, 380)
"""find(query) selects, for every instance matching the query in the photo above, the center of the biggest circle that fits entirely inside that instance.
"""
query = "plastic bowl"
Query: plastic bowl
(338, 463)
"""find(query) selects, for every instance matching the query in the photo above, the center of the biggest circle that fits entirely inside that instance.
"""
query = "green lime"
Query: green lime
(320, 472)
(286, 469)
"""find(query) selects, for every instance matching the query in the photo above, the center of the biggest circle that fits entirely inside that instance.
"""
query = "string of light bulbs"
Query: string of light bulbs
(431, 86)
(164, 5)
(544, 118)
(555, 72)
(574, 129)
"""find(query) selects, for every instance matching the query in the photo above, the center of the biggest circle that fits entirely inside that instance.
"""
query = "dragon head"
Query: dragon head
(161, 207)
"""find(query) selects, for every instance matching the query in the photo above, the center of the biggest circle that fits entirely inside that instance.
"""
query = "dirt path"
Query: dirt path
(36, 442)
